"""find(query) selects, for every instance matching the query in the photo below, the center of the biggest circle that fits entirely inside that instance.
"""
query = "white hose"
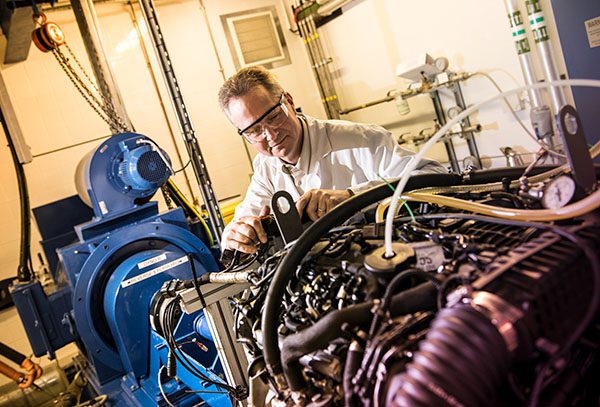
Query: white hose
(410, 167)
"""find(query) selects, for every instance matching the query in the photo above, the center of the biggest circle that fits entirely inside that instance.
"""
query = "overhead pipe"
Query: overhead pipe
(326, 8)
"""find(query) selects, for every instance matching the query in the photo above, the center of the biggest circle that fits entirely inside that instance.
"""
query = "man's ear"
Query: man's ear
(228, 116)
(290, 100)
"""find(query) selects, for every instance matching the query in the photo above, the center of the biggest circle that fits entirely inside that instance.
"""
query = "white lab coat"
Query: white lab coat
(336, 154)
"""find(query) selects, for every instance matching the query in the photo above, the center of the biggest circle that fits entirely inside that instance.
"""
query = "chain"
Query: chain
(89, 99)
(105, 110)
(109, 105)
(167, 196)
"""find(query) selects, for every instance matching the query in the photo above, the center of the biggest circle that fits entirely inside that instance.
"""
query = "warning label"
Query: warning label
(592, 27)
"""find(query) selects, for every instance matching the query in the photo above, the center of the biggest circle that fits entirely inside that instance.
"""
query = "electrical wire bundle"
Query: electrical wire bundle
(25, 269)
(169, 322)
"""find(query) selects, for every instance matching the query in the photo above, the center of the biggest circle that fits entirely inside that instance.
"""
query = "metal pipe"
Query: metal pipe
(441, 117)
(368, 104)
(537, 23)
(184, 119)
(408, 93)
(324, 61)
(304, 33)
(318, 67)
(163, 108)
(328, 7)
(465, 124)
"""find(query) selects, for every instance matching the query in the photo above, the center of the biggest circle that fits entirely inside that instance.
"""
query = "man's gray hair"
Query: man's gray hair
(244, 81)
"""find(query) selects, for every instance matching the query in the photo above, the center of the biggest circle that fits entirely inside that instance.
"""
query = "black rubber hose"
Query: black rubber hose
(289, 263)
(391, 287)
(24, 271)
(318, 336)
(353, 358)
(462, 361)
(512, 173)
(12, 354)
(496, 174)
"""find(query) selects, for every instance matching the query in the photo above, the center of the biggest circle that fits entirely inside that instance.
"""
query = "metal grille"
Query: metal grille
(151, 167)
(496, 234)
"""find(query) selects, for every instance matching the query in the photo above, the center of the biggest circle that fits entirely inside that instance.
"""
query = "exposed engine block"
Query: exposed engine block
(471, 311)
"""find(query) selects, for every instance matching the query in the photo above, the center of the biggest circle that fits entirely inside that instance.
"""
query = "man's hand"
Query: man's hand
(245, 233)
(317, 202)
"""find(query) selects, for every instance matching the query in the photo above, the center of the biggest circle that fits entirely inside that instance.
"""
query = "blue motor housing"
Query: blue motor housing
(124, 171)
(109, 277)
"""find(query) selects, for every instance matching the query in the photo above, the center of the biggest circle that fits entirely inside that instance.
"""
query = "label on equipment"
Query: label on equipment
(153, 272)
(429, 255)
(103, 207)
(153, 260)
(592, 27)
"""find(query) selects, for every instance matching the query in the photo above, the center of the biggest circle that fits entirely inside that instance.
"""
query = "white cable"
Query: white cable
(162, 392)
(410, 167)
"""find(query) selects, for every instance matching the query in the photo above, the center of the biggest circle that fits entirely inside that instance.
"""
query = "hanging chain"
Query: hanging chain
(49, 37)
(107, 103)
(104, 108)
(167, 196)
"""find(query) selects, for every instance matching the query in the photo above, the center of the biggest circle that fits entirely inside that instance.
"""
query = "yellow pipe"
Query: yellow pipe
(193, 209)
(586, 205)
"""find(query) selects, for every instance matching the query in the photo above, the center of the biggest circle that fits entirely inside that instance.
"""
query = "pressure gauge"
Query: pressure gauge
(558, 192)
(454, 111)
(441, 63)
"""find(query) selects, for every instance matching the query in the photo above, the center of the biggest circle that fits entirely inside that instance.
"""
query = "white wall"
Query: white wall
(473, 34)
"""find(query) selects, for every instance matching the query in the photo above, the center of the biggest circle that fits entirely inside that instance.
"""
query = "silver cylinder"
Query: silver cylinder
(537, 23)
(515, 18)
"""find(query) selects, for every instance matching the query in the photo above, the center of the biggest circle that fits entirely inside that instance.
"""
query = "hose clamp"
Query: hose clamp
(503, 315)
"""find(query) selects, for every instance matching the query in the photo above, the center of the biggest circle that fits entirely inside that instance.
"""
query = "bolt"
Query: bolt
(570, 123)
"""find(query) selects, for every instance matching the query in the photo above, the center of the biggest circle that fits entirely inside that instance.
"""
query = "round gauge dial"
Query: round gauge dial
(441, 63)
(454, 111)
(558, 192)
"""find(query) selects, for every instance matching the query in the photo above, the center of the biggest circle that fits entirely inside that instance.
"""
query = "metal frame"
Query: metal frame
(219, 315)
(184, 119)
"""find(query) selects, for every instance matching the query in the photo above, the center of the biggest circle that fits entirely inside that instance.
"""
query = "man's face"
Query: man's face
(284, 141)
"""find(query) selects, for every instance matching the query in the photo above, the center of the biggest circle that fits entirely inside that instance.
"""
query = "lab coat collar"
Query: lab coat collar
(315, 144)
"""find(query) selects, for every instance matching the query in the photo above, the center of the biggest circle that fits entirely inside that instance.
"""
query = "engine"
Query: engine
(470, 310)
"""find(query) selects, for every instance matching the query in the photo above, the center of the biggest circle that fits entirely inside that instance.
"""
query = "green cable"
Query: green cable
(410, 212)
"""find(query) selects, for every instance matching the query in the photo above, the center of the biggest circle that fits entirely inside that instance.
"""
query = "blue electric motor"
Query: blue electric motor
(109, 277)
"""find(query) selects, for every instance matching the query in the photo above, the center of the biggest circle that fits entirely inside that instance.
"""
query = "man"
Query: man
(319, 162)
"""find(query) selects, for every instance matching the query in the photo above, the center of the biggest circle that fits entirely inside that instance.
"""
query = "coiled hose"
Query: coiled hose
(461, 362)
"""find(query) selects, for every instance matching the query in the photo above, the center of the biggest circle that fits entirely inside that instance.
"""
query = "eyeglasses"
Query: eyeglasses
(272, 118)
